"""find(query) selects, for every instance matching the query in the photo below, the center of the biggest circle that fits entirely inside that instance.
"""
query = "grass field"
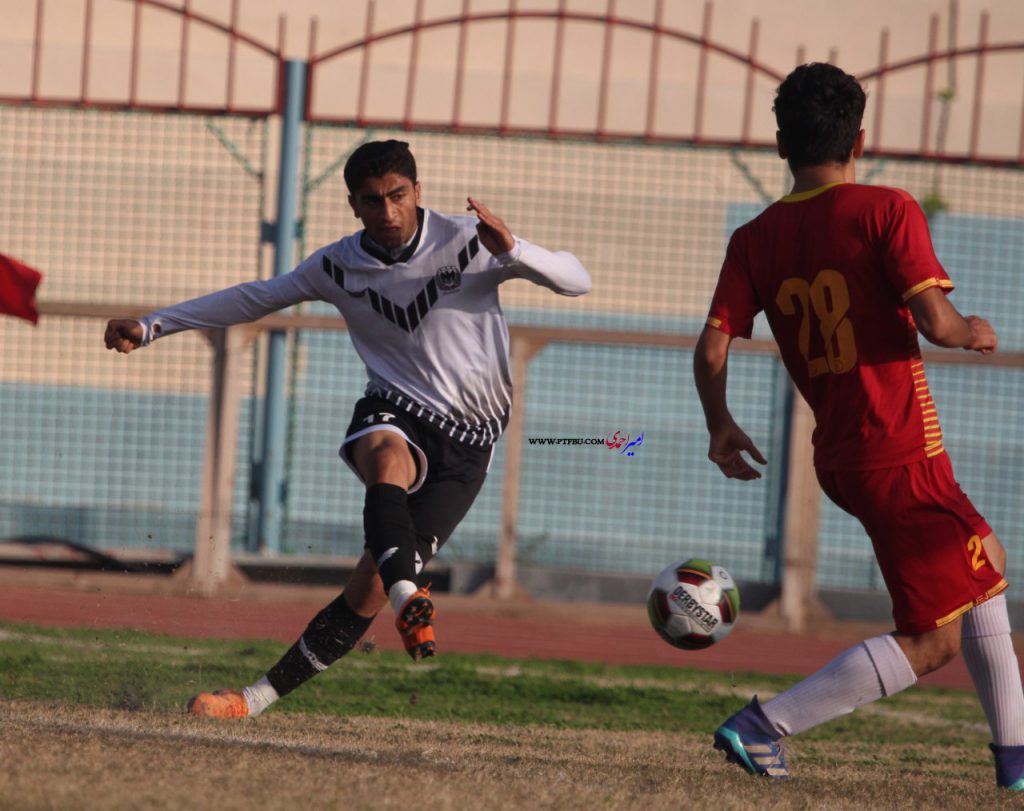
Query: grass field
(92, 719)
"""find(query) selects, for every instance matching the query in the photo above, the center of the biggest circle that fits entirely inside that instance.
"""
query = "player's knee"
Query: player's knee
(383, 458)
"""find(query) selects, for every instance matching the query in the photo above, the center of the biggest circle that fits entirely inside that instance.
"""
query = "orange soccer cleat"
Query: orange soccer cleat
(415, 622)
(219, 704)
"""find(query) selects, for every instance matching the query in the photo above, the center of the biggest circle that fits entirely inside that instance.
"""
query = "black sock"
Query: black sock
(330, 635)
(390, 535)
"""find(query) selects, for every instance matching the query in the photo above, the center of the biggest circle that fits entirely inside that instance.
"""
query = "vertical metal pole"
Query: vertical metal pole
(606, 71)
(86, 52)
(748, 97)
(979, 86)
(702, 74)
(460, 68)
(506, 581)
(364, 70)
(275, 426)
(186, 15)
(312, 69)
(798, 597)
(414, 64)
(556, 72)
(1020, 144)
(37, 50)
(211, 565)
(883, 65)
(232, 39)
(506, 76)
(133, 80)
(929, 84)
(778, 476)
(652, 71)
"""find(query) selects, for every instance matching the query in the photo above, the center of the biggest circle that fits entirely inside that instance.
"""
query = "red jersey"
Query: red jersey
(833, 270)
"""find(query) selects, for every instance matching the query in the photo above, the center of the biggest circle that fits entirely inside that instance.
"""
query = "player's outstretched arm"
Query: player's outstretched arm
(123, 335)
(240, 304)
(728, 441)
(938, 321)
(559, 271)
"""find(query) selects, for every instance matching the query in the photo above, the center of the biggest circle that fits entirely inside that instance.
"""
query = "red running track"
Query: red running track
(610, 634)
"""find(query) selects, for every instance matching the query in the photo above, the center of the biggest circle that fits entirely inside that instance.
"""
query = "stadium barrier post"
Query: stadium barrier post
(211, 566)
(798, 596)
(506, 583)
(275, 423)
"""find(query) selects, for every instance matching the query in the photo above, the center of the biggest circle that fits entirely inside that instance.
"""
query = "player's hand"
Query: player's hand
(494, 234)
(123, 334)
(726, 451)
(983, 337)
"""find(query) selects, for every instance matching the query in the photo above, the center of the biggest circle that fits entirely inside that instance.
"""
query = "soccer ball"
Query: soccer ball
(693, 604)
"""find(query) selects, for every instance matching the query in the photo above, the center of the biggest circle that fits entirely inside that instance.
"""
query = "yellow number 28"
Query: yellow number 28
(825, 301)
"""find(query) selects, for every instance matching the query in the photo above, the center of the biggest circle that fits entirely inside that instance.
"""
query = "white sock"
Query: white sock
(988, 652)
(864, 673)
(259, 696)
(399, 592)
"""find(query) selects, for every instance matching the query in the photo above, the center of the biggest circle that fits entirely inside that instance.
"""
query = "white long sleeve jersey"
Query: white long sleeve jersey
(428, 324)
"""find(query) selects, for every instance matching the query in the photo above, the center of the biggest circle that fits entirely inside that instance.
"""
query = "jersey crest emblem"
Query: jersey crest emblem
(449, 278)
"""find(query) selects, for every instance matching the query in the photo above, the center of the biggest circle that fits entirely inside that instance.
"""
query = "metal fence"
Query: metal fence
(125, 209)
(128, 207)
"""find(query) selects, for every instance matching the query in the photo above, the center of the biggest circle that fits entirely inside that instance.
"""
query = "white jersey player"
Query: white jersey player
(419, 294)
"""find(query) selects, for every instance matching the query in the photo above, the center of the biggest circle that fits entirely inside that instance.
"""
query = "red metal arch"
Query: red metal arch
(189, 17)
(608, 21)
(933, 57)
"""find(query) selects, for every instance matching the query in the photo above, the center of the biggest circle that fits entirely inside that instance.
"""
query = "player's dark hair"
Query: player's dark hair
(819, 109)
(376, 159)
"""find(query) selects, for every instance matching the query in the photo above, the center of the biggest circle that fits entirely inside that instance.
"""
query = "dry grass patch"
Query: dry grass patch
(81, 758)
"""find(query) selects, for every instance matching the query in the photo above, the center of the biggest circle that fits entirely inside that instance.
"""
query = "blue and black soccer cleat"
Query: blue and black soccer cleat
(1009, 766)
(749, 740)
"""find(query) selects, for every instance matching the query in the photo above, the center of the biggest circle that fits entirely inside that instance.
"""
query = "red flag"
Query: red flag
(18, 285)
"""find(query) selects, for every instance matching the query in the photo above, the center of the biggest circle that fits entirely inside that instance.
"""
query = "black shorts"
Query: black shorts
(449, 475)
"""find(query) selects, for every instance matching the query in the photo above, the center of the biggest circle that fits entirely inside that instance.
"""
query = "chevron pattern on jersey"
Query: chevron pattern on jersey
(409, 317)
(468, 252)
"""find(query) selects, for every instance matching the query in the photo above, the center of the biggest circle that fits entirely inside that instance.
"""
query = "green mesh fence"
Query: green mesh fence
(119, 207)
(649, 224)
(977, 224)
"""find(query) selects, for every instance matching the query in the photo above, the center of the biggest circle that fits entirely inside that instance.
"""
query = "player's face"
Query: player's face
(387, 207)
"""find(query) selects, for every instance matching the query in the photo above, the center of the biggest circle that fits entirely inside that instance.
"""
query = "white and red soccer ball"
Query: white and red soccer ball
(693, 604)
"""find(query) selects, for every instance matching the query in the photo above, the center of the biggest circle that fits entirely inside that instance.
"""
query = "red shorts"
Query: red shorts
(927, 539)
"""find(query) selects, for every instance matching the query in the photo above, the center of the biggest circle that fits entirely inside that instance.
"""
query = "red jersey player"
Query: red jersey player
(846, 276)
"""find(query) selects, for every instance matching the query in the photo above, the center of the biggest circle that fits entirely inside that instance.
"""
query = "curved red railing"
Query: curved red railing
(189, 18)
(610, 21)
